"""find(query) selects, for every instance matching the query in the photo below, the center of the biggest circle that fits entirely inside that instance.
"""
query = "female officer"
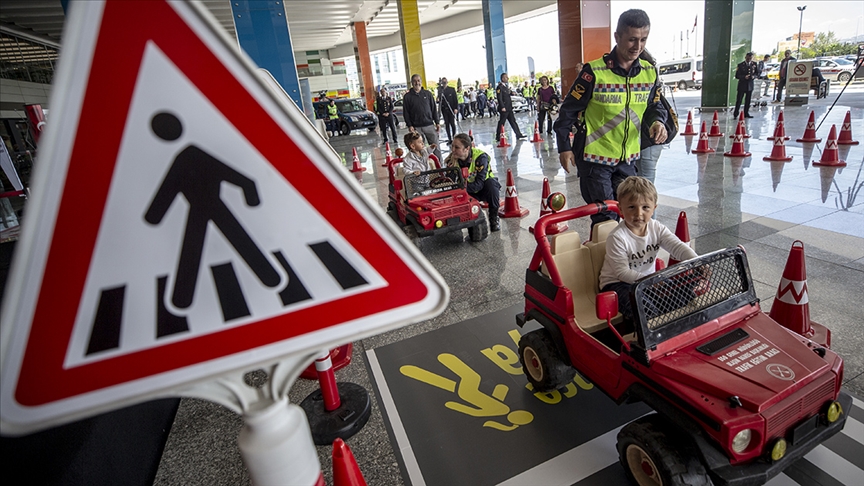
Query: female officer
(482, 183)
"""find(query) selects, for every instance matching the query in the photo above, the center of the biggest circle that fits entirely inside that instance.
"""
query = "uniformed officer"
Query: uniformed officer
(505, 108)
(482, 183)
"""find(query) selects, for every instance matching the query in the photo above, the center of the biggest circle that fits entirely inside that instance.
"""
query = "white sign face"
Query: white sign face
(183, 218)
(798, 77)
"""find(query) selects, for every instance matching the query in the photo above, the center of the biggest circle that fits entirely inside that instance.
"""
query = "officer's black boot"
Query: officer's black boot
(494, 224)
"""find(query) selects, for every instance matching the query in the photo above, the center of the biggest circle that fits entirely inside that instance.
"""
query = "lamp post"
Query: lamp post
(800, 23)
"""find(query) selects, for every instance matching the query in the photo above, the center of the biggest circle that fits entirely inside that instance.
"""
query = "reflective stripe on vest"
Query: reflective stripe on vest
(475, 154)
(614, 116)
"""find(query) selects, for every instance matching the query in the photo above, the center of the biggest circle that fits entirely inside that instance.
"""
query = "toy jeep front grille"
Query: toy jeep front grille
(804, 403)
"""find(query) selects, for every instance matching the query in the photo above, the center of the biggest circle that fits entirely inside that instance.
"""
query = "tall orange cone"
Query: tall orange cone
(742, 124)
(356, 167)
(810, 131)
(502, 140)
(552, 229)
(738, 145)
(702, 147)
(346, 472)
(511, 208)
(682, 231)
(779, 151)
(791, 307)
(781, 125)
(688, 129)
(831, 155)
(846, 131)
(715, 127)
(537, 137)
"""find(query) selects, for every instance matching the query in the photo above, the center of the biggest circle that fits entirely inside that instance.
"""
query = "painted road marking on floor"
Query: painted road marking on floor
(837, 467)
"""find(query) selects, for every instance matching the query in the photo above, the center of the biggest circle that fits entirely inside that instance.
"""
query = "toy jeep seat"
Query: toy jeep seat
(400, 174)
(579, 266)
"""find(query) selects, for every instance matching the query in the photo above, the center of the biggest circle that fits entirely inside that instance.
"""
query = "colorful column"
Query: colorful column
(728, 37)
(262, 32)
(412, 43)
(496, 46)
(364, 62)
(584, 33)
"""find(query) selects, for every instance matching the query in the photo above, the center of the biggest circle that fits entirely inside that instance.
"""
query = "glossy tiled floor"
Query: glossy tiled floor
(761, 205)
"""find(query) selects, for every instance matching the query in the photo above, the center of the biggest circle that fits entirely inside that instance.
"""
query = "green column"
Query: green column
(728, 36)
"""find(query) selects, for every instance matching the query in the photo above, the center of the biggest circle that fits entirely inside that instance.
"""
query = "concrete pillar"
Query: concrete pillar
(584, 33)
(262, 32)
(412, 42)
(496, 46)
(364, 63)
(728, 36)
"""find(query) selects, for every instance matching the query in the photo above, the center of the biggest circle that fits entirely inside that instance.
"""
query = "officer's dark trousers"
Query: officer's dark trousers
(387, 121)
(490, 193)
(507, 116)
(600, 182)
(745, 95)
(449, 123)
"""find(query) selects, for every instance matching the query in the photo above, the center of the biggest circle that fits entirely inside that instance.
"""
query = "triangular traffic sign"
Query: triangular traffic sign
(184, 224)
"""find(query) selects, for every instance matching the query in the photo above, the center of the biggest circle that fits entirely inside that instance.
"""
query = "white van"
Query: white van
(683, 73)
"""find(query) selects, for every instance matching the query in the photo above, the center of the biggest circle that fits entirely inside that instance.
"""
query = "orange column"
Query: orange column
(364, 63)
(584, 33)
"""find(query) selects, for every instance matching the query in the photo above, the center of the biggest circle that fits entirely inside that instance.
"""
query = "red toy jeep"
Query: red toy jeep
(434, 202)
(738, 396)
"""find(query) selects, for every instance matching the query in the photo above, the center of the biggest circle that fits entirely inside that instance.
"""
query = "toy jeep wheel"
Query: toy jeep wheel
(655, 453)
(480, 231)
(542, 362)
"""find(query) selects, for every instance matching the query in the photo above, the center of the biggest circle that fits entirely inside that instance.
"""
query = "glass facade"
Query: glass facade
(25, 60)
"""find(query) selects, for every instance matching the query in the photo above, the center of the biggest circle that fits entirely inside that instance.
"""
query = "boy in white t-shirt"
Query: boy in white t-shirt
(632, 247)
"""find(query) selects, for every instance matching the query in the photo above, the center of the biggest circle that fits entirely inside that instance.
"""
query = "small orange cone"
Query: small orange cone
(682, 231)
(552, 229)
(810, 131)
(537, 137)
(831, 155)
(791, 307)
(742, 125)
(846, 131)
(356, 167)
(688, 130)
(511, 208)
(502, 140)
(702, 147)
(346, 472)
(738, 145)
(387, 154)
(715, 127)
(781, 126)
(779, 150)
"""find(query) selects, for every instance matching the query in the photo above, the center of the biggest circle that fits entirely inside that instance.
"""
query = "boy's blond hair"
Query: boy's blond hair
(637, 187)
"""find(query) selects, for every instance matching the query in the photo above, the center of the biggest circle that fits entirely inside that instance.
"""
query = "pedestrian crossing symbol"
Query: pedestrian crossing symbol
(197, 221)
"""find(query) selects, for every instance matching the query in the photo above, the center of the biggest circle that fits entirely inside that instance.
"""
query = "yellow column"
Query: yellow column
(412, 43)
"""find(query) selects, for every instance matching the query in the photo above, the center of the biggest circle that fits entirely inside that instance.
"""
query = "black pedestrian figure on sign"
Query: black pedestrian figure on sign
(198, 176)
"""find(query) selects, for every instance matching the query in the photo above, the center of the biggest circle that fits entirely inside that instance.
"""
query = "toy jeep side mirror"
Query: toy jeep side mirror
(606, 305)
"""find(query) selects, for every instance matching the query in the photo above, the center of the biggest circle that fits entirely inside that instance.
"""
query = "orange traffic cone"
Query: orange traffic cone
(511, 207)
(742, 125)
(846, 131)
(831, 155)
(552, 229)
(738, 145)
(682, 231)
(781, 126)
(791, 307)
(537, 137)
(346, 472)
(502, 140)
(688, 130)
(810, 131)
(779, 150)
(702, 147)
(715, 127)
(356, 167)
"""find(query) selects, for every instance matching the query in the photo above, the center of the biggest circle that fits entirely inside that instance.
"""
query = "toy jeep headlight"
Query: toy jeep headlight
(779, 449)
(834, 412)
(742, 440)
(475, 209)
(439, 223)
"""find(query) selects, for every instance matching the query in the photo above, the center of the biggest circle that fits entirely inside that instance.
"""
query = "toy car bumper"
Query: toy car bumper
(761, 471)
(448, 227)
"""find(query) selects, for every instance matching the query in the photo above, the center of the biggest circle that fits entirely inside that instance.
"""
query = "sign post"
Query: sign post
(187, 225)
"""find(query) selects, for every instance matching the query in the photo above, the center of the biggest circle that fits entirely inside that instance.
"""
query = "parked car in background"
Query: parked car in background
(682, 73)
(353, 115)
(519, 104)
(835, 68)
(772, 68)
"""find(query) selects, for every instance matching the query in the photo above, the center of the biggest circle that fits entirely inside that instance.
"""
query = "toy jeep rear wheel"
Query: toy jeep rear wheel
(654, 452)
(542, 362)
(479, 231)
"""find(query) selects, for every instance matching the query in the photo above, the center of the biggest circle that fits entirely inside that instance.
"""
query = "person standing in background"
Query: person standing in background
(745, 74)
(421, 113)
(505, 108)
(784, 65)
(384, 110)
